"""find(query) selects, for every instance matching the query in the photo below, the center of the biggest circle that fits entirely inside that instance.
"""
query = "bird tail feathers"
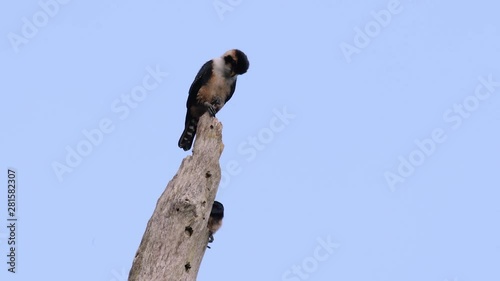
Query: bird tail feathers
(187, 137)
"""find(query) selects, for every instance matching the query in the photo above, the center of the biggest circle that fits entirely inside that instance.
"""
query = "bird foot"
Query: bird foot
(211, 109)
(210, 239)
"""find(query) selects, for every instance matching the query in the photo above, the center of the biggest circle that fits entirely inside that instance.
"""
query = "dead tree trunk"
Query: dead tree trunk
(176, 236)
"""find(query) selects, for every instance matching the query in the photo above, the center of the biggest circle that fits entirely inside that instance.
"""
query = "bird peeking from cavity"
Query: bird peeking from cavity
(212, 87)
(215, 220)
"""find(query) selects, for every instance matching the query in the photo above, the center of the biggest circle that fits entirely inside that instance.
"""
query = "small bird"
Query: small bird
(212, 87)
(215, 220)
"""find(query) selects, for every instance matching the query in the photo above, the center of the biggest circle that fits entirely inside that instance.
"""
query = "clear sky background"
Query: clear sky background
(364, 138)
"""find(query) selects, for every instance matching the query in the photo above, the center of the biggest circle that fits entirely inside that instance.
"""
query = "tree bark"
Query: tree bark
(176, 235)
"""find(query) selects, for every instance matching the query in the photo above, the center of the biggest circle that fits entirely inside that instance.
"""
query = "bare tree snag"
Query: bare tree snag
(176, 236)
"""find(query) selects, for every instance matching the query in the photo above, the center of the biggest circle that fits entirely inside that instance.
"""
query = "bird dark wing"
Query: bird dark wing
(191, 122)
(201, 79)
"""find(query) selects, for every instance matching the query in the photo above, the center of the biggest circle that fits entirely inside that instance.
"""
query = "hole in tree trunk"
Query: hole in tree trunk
(189, 230)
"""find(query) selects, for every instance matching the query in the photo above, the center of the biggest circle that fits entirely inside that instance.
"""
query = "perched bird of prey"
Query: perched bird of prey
(212, 87)
(215, 219)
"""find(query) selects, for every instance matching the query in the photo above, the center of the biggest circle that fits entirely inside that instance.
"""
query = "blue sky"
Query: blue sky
(362, 144)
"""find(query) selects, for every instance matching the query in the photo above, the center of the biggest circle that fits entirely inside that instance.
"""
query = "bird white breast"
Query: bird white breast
(220, 65)
(221, 73)
(223, 70)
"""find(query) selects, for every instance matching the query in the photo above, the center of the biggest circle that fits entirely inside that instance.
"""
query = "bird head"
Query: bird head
(217, 211)
(237, 60)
